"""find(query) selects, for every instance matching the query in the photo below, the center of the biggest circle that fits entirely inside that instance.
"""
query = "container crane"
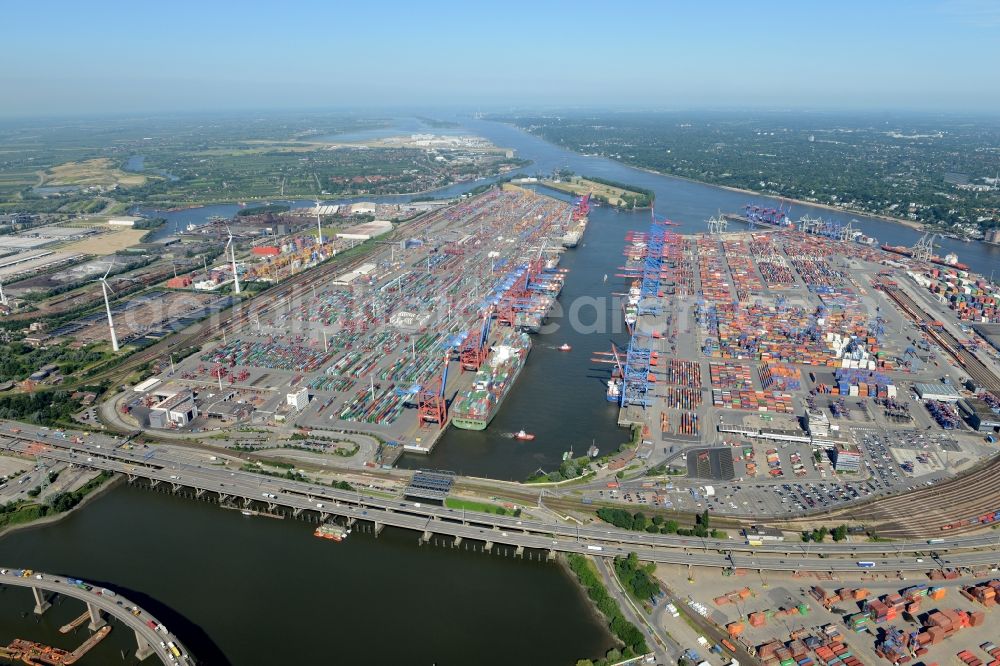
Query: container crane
(432, 406)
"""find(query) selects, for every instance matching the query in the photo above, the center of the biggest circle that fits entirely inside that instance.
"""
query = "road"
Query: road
(117, 606)
(665, 649)
(159, 466)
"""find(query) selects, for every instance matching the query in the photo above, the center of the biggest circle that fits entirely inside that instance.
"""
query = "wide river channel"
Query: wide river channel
(248, 591)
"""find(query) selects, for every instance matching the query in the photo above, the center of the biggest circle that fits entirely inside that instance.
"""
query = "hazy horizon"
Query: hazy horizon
(71, 59)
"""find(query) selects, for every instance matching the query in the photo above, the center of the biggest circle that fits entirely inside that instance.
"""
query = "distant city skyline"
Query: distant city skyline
(66, 58)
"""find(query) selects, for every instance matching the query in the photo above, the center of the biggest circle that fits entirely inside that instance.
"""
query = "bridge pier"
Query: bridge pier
(199, 492)
(323, 516)
(143, 648)
(96, 621)
(41, 603)
(351, 520)
(176, 486)
(132, 478)
(153, 483)
(246, 502)
(551, 555)
(488, 547)
(519, 552)
(378, 528)
(223, 497)
(426, 536)
(271, 506)
(296, 512)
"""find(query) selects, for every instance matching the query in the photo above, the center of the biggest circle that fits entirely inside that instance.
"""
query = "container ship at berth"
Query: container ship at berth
(578, 222)
(476, 407)
(950, 260)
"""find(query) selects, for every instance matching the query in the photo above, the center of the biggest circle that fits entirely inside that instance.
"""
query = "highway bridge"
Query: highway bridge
(150, 635)
(156, 466)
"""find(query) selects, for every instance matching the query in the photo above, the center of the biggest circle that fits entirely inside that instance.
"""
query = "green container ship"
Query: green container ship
(476, 407)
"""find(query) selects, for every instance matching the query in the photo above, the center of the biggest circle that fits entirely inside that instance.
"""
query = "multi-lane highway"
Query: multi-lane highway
(153, 637)
(158, 465)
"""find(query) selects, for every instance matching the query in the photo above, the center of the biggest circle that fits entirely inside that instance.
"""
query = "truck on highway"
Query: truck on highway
(173, 649)
(595, 548)
(866, 565)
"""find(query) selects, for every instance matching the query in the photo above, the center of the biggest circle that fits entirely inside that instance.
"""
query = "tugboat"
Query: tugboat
(525, 436)
(564, 347)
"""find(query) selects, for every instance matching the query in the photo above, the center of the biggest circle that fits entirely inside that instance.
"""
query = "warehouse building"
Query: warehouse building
(177, 410)
(980, 415)
(939, 392)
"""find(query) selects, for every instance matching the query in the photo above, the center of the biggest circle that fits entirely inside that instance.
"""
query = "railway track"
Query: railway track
(925, 512)
(977, 370)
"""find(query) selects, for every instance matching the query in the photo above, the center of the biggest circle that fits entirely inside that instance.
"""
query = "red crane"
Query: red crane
(431, 404)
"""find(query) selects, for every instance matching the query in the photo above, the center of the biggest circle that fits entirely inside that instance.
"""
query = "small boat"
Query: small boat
(246, 513)
(331, 531)
(564, 347)
(526, 436)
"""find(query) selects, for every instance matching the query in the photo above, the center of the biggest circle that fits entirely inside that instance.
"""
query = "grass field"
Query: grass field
(580, 186)
(88, 173)
(470, 505)
(108, 243)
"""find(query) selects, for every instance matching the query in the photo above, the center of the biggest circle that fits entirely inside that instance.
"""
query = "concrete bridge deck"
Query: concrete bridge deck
(157, 467)
(149, 641)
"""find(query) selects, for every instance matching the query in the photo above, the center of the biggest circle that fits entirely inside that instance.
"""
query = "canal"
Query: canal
(252, 591)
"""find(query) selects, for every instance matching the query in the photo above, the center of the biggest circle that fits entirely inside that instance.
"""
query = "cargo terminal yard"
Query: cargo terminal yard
(793, 372)
(385, 347)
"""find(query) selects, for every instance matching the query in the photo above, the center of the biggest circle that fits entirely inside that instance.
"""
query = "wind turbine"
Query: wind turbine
(232, 250)
(319, 222)
(107, 306)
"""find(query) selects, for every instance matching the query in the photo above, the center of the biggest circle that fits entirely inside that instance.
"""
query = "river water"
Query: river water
(255, 591)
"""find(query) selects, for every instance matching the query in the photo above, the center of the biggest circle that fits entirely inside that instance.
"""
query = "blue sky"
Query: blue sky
(67, 57)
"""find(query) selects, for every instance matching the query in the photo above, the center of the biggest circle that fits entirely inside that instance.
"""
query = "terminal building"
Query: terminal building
(939, 392)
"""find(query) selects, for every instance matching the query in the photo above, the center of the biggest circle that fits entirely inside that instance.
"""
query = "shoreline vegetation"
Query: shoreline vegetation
(27, 516)
(627, 634)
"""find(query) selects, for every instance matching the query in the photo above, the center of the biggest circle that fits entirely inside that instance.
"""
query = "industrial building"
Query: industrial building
(761, 533)
(846, 458)
(177, 411)
(980, 415)
(939, 392)
(298, 400)
(817, 423)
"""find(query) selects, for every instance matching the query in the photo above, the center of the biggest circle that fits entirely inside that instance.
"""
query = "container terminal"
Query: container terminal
(791, 352)
(390, 347)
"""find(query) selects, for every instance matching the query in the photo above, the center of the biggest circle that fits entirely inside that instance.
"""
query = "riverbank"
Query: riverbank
(110, 484)
(918, 226)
